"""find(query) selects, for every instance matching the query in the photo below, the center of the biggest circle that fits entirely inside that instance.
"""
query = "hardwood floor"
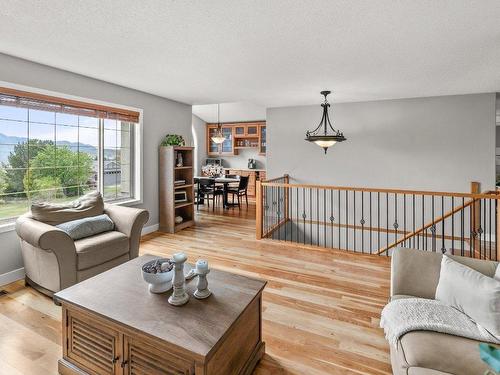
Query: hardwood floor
(321, 307)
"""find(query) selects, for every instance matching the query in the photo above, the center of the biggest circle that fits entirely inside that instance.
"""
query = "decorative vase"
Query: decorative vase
(178, 219)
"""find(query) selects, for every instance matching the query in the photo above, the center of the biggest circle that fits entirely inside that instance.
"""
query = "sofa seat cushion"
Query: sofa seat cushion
(440, 352)
(95, 250)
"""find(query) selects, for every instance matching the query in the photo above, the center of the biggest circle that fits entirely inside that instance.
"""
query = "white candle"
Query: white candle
(201, 266)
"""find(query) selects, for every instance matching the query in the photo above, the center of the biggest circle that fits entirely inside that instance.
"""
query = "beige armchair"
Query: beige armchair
(54, 261)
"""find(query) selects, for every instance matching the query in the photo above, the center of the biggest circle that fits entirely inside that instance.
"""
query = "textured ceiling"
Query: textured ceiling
(271, 53)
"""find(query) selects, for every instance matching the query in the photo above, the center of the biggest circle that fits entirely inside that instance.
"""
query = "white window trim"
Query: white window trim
(138, 142)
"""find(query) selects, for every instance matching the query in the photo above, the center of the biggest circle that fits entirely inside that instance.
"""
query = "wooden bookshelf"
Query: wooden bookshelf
(169, 173)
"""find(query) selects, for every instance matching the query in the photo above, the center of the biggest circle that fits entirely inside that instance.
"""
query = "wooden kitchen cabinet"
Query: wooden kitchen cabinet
(241, 135)
(227, 147)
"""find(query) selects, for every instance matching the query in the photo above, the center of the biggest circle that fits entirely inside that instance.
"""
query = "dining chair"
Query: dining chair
(240, 190)
(207, 190)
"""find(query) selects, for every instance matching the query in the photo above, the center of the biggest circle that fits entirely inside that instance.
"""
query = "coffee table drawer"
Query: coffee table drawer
(142, 358)
(93, 346)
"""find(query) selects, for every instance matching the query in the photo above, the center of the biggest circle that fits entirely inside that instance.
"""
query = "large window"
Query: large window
(56, 152)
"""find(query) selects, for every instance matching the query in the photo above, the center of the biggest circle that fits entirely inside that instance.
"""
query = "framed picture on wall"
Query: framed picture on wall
(180, 196)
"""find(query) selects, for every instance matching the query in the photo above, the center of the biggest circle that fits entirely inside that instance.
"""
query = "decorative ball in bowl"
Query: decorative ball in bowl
(158, 274)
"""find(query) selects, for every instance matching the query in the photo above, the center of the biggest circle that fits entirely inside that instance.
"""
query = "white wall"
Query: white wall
(438, 143)
(161, 116)
(199, 129)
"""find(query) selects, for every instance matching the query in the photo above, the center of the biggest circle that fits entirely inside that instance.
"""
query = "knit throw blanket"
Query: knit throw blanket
(419, 314)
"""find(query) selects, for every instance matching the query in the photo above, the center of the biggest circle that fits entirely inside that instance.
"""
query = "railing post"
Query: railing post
(287, 191)
(475, 188)
(258, 212)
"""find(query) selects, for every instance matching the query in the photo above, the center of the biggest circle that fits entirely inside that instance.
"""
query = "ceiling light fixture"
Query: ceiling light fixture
(218, 136)
(322, 136)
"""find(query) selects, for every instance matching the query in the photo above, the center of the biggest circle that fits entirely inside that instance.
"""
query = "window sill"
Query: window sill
(11, 225)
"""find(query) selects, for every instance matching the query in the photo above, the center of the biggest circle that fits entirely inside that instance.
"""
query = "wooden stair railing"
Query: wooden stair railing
(374, 221)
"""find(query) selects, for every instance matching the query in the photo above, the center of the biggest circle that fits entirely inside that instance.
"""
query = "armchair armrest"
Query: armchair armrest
(51, 239)
(129, 221)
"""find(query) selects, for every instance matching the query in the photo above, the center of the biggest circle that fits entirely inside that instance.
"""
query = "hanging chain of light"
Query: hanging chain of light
(219, 135)
(322, 135)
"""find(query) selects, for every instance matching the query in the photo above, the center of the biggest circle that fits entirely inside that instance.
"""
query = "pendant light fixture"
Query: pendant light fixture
(219, 136)
(322, 135)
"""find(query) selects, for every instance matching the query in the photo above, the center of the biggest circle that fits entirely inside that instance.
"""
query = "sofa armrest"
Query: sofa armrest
(49, 238)
(128, 221)
(415, 272)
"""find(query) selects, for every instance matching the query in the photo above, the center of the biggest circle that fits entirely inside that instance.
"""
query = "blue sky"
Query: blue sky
(62, 127)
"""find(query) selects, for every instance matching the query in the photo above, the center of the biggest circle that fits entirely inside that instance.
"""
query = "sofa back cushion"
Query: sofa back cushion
(471, 292)
(416, 272)
(87, 227)
(90, 204)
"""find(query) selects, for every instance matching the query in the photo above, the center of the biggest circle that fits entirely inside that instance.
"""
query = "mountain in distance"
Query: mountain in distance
(8, 142)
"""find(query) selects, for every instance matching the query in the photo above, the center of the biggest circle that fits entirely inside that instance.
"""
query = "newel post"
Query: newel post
(258, 211)
(475, 188)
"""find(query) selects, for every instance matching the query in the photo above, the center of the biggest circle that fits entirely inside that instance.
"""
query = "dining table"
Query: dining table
(225, 181)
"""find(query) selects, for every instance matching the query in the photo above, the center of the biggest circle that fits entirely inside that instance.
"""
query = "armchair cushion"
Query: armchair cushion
(95, 250)
(90, 204)
(88, 226)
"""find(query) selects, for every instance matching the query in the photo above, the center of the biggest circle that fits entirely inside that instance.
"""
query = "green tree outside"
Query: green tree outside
(61, 169)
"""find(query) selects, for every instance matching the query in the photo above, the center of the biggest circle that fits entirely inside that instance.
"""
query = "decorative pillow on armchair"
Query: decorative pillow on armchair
(88, 226)
(90, 204)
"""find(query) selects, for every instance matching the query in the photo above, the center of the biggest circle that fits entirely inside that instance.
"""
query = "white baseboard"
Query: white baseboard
(150, 229)
(12, 276)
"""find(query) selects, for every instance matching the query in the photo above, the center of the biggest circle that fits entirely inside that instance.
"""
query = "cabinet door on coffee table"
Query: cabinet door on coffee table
(142, 358)
(91, 346)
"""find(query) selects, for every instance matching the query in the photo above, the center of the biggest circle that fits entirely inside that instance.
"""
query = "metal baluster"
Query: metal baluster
(387, 220)
(404, 219)
(424, 239)
(317, 217)
(479, 229)
(452, 227)
(371, 225)
(490, 229)
(297, 213)
(362, 222)
(304, 214)
(324, 217)
(332, 218)
(395, 225)
(413, 220)
(471, 231)
(339, 219)
(378, 218)
(310, 218)
(462, 228)
(433, 227)
(347, 220)
(354, 221)
(443, 248)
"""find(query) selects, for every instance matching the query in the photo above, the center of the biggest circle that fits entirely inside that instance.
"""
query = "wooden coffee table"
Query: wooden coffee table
(113, 325)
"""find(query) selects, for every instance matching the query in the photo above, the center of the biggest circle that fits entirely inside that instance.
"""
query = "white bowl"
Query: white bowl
(161, 282)
(158, 282)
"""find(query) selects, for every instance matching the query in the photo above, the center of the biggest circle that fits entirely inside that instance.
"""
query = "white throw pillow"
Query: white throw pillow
(471, 292)
(497, 273)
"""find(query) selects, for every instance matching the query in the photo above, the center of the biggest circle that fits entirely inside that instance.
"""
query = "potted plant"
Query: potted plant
(173, 140)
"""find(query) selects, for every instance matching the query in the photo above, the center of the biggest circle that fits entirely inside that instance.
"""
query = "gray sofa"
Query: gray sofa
(415, 273)
(54, 261)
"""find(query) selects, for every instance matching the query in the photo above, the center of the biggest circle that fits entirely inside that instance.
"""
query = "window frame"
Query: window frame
(137, 144)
